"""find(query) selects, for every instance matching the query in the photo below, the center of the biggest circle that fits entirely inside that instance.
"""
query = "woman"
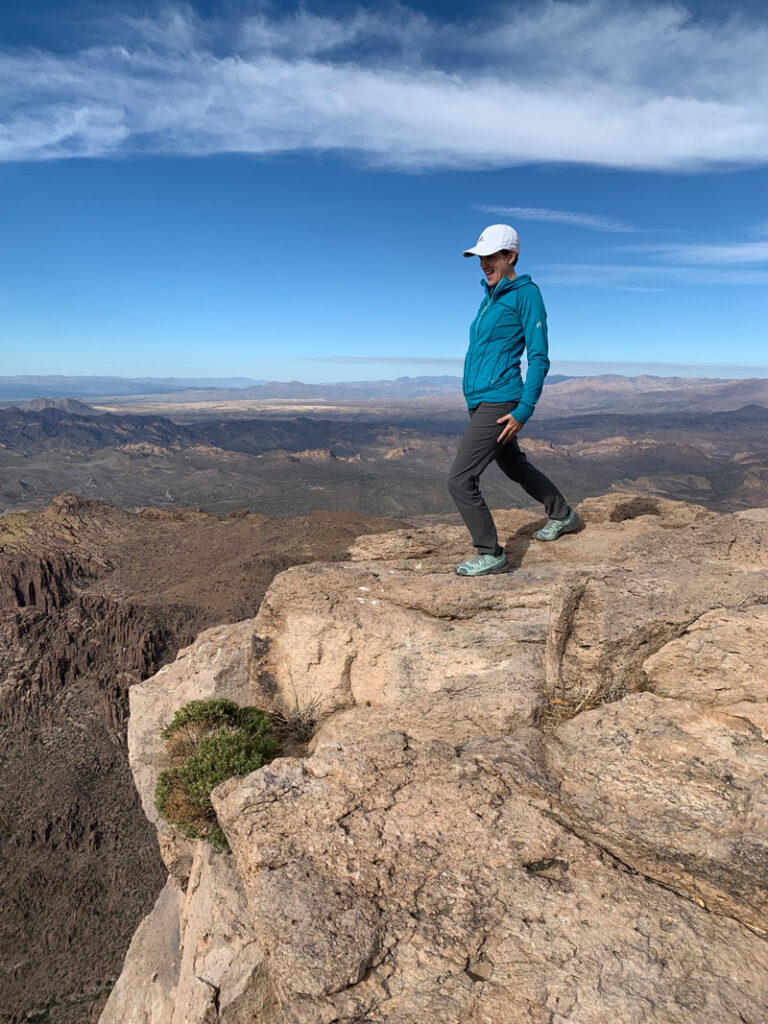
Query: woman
(511, 319)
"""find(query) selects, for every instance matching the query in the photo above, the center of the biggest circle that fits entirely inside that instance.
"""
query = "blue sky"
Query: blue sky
(284, 192)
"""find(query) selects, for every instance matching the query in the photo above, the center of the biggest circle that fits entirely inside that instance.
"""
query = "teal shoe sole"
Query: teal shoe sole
(492, 571)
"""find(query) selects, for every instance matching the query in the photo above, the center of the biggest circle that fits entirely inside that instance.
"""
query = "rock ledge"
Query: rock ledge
(537, 798)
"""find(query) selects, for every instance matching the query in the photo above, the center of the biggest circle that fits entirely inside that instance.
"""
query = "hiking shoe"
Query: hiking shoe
(483, 565)
(555, 527)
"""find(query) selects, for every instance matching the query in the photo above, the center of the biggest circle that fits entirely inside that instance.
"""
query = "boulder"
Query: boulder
(194, 958)
(719, 660)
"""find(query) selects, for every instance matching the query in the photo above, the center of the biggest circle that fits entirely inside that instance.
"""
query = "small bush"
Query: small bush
(218, 713)
(209, 741)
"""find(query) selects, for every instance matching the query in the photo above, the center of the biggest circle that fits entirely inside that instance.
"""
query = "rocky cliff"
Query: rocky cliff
(537, 798)
(93, 599)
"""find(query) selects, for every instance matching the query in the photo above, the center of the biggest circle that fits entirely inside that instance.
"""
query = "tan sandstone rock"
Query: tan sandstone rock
(721, 660)
(194, 957)
(216, 665)
(677, 791)
(393, 880)
(145, 992)
(456, 849)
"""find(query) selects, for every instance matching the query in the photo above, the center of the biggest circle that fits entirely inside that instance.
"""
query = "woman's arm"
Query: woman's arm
(533, 318)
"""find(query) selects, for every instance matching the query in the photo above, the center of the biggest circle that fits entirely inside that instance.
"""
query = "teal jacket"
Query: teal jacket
(511, 320)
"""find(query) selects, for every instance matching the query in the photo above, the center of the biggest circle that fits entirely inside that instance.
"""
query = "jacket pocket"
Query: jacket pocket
(500, 370)
(479, 380)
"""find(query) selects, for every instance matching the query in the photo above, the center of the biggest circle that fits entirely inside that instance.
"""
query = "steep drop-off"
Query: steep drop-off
(92, 600)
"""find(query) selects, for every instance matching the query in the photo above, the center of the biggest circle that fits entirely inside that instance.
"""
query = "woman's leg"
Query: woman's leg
(477, 450)
(514, 463)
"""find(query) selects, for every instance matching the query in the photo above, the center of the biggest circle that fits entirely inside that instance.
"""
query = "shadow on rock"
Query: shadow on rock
(517, 544)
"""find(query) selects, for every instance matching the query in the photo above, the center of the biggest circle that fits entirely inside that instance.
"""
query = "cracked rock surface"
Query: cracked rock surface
(402, 868)
(537, 798)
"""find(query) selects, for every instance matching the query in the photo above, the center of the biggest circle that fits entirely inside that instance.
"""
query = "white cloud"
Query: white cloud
(632, 277)
(740, 252)
(708, 254)
(591, 221)
(175, 29)
(590, 368)
(593, 82)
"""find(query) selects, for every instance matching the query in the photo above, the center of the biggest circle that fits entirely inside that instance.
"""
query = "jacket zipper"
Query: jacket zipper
(480, 317)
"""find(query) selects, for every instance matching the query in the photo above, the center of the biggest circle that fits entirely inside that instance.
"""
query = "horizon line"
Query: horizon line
(568, 367)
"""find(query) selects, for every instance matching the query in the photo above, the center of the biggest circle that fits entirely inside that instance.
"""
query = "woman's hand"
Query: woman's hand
(512, 427)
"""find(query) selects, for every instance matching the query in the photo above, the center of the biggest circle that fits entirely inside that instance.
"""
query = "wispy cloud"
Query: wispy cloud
(708, 254)
(649, 87)
(574, 367)
(590, 368)
(720, 263)
(641, 277)
(591, 221)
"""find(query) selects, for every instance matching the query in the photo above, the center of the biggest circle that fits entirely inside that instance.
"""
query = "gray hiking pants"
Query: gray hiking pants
(477, 450)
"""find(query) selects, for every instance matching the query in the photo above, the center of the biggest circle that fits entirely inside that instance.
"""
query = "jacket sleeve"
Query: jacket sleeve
(533, 318)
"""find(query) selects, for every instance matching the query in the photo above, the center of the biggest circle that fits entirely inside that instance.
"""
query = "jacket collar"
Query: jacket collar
(505, 285)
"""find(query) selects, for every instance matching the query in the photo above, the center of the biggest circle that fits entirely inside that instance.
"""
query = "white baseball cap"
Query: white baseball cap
(495, 238)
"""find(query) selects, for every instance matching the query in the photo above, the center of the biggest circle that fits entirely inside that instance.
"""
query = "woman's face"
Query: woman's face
(498, 265)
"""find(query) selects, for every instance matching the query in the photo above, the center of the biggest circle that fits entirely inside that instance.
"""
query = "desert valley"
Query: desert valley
(382, 448)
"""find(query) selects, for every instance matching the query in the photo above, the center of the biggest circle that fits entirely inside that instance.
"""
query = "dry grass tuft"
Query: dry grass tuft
(562, 706)
(178, 807)
(300, 722)
(182, 743)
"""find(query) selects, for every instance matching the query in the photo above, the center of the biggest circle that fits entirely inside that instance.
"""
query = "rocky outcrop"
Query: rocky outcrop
(93, 599)
(45, 654)
(532, 798)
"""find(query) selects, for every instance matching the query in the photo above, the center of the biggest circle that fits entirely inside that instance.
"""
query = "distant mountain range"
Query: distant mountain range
(52, 428)
(22, 388)
(72, 425)
(646, 394)
(73, 405)
(562, 395)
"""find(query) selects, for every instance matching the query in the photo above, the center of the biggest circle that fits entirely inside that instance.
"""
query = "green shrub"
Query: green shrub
(209, 741)
(217, 713)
